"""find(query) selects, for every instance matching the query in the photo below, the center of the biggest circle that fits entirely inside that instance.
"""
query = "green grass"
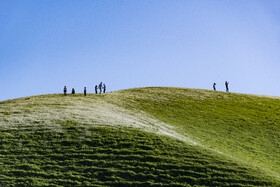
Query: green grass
(108, 156)
(243, 126)
(53, 140)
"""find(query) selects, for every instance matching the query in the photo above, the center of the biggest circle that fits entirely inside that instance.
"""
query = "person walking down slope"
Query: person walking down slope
(100, 87)
(214, 86)
(85, 91)
(104, 88)
(226, 83)
(65, 90)
(96, 88)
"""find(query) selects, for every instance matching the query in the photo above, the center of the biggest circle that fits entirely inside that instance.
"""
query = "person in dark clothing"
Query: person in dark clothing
(73, 91)
(96, 88)
(65, 90)
(226, 83)
(100, 87)
(214, 86)
(85, 91)
(104, 88)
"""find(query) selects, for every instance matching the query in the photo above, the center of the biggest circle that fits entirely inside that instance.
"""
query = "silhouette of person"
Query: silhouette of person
(104, 88)
(73, 91)
(100, 87)
(214, 86)
(96, 88)
(65, 90)
(85, 91)
(226, 83)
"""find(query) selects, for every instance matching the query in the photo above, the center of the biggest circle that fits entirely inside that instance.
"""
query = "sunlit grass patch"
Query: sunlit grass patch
(243, 126)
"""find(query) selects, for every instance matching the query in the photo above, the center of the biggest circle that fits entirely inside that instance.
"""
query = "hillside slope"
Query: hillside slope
(144, 136)
(240, 125)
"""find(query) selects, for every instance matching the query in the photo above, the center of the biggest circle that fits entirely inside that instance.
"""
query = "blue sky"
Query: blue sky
(45, 45)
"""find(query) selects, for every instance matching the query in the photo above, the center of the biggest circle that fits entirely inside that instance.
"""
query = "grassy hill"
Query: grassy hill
(144, 136)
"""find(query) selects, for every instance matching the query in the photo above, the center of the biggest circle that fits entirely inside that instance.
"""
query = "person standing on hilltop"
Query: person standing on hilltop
(96, 88)
(104, 88)
(65, 90)
(85, 91)
(100, 87)
(226, 83)
(214, 86)
(73, 91)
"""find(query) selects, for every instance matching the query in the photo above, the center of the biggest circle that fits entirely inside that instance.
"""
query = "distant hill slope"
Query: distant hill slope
(143, 136)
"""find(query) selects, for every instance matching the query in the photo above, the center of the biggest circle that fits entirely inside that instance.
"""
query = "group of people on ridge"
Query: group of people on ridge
(101, 87)
(226, 84)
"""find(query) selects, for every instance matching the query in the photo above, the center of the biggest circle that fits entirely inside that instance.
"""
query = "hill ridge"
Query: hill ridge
(178, 113)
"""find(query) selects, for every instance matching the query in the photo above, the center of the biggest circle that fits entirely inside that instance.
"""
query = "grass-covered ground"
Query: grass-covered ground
(81, 156)
(140, 137)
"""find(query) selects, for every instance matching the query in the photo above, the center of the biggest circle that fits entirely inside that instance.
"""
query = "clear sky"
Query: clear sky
(45, 45)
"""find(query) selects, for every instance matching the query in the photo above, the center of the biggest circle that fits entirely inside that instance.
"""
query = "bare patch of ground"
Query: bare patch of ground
(93, 111)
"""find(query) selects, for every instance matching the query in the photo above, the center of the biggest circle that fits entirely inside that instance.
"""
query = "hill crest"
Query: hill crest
(238, 126)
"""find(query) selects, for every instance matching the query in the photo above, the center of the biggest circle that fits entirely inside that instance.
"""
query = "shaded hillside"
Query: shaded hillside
(145, 136)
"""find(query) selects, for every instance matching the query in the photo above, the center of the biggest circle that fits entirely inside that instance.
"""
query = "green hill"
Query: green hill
(141, 137)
